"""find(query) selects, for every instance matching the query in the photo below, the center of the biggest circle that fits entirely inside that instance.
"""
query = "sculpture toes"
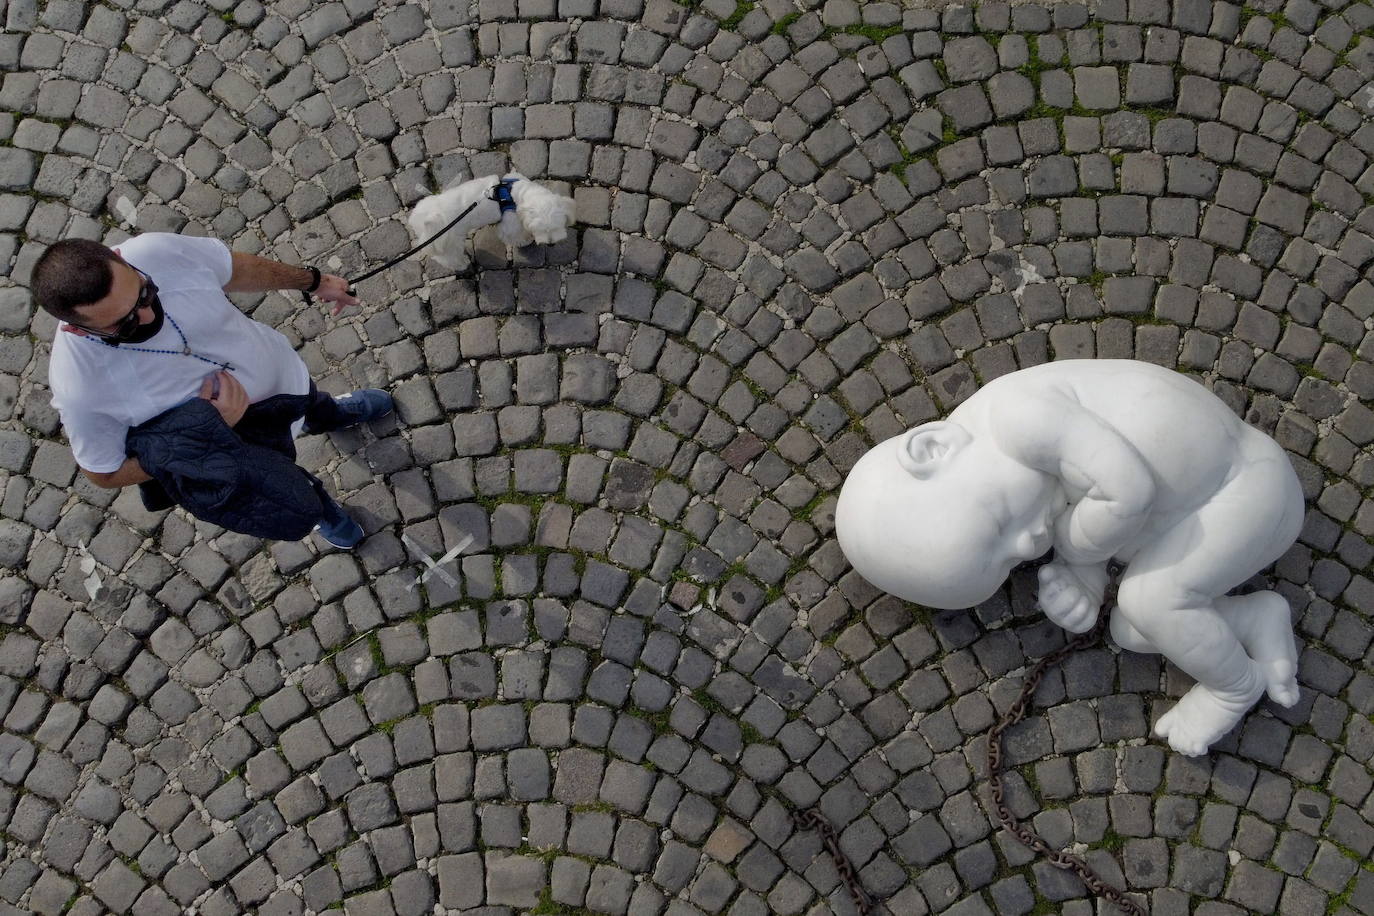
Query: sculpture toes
(1170, 728)
(1065, 605)
(1080, 619)
(1286, 695)
(1201, 717)
(1052, 593)
(1188, 748)
(1056, 608)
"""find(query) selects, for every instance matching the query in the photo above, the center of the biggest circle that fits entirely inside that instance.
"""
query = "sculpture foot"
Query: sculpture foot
(1264, 626)
(1280, 681)
(1201, 718)
(1274, 649)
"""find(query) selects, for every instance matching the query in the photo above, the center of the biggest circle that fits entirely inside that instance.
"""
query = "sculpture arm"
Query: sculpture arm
(1111, 488)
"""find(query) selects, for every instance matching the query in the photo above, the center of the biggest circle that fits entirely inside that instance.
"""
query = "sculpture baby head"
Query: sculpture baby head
(940, 517)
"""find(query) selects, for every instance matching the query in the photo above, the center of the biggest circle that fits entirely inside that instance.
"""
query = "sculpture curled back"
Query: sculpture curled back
(1100, 460)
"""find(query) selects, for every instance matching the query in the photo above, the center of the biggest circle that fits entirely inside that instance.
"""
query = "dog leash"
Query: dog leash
(499, 193)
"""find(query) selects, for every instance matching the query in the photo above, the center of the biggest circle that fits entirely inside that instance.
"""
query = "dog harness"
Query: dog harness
(501, 194)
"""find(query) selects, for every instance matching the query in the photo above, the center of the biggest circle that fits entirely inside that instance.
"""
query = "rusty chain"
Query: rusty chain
(1029, 838)
(812, 819)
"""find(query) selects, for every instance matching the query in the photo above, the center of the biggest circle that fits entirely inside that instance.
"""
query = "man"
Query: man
(146, 327)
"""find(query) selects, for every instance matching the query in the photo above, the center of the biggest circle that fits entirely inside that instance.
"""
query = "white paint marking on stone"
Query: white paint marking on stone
(128, 213)
(434, 568)
(1365, 98)
(1026, 274)
(92, 581)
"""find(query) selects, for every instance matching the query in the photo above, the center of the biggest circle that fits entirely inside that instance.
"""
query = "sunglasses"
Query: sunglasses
(147, 298)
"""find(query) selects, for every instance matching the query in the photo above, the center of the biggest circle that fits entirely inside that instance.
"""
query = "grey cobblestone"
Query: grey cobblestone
(800, 231)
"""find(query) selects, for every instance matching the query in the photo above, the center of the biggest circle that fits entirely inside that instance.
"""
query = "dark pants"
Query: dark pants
(334, 513)
(244, 479)
(322, 413)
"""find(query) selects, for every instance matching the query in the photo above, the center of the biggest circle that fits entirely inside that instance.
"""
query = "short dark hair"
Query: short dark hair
(70, 274)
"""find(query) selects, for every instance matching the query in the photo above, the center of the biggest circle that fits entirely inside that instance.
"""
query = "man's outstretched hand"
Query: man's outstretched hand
(228, 396)
(335, 289)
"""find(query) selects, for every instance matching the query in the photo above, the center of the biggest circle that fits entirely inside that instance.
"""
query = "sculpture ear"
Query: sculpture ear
(929, 447)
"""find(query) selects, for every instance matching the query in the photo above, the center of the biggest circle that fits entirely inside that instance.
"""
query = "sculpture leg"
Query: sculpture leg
(1198, 640)
(1263, 622)
(1170, 597)
(1127, 636)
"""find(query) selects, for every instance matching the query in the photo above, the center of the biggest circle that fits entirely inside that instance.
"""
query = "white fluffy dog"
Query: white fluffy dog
(527, 212)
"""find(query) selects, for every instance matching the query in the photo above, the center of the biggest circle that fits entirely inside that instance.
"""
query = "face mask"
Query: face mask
(129, 330)
(144, 332)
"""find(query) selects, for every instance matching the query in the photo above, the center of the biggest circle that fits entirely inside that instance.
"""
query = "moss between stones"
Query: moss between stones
(873, 33)
(709, 703)
(742, 9)
(780, 27)
(657, 720)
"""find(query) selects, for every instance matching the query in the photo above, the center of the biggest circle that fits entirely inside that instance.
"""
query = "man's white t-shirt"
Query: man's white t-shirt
(101, 391)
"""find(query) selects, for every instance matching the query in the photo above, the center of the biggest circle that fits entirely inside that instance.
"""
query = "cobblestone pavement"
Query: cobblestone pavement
(804, 229)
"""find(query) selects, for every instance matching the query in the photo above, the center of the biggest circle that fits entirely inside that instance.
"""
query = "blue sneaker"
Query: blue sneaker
(356, 407)
(343, 532)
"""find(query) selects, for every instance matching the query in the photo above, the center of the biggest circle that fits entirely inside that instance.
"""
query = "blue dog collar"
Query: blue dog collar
(501, 194)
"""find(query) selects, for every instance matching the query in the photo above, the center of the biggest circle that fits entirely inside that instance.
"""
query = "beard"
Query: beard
(145, 332)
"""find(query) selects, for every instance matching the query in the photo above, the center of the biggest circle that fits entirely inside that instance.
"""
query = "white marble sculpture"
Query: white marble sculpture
(1101, 460)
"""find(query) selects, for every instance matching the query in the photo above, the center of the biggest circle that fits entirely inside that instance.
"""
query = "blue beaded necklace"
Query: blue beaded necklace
(184, 351)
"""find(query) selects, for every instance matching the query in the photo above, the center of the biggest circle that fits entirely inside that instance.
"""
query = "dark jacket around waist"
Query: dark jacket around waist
(243, 478)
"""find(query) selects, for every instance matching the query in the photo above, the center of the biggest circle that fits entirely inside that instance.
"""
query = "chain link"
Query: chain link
(1064, 861)
(812, 819)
